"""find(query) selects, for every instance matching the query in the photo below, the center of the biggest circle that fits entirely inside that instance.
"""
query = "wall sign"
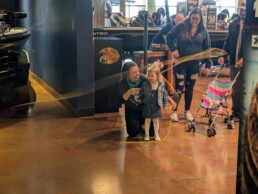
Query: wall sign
(255, 41)
(108, 55)
(211, 18)
(256, 8)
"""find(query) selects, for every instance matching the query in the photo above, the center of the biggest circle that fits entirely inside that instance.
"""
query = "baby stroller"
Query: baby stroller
(215, 102)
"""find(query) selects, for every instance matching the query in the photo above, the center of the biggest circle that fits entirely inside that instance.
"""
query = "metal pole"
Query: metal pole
(145, 37)
(167, 11)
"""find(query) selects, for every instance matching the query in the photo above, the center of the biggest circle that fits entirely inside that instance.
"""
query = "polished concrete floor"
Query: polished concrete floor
(51, 152)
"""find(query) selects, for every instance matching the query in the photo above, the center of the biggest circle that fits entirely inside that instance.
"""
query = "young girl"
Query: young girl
(154, 97)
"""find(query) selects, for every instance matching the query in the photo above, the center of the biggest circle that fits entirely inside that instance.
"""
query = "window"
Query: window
(231, 5)
(132, 8)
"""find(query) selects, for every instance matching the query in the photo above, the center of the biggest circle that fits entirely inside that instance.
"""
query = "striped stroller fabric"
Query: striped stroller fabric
(216, 92)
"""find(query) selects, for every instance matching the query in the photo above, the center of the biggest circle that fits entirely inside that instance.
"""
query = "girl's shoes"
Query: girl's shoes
(147, 138)
(157, 138)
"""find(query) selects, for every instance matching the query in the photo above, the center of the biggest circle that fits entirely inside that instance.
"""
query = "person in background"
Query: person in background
(233, 46)
(156, 18)
(107, 13)
(225, 11)
(221, 21)
(188, 38)
(155, 97)
(162, 12)
(159, 39)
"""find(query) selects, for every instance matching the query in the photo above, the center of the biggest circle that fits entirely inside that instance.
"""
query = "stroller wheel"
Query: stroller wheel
(189, 127)
(231, 125)
(209, 132)
(226, 120)
(214, 131)
(193, 127)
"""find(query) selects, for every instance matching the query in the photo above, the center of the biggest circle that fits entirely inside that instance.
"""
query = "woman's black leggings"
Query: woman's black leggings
(134, 121)
(185, 76)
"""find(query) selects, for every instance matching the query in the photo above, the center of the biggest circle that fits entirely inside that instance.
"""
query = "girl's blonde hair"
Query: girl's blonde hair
(155, 69)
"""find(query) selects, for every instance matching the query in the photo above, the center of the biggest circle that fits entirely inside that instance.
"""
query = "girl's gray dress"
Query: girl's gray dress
(152, 109)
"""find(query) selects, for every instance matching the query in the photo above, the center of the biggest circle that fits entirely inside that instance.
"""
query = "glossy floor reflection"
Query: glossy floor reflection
(52, 152)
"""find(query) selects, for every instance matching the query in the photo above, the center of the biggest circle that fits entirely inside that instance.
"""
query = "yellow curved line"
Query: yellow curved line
(152, 141)
(107, 81)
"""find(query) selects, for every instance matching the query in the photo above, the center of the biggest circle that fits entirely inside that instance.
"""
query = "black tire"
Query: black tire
(214, 131)
(226, 120)
(193, 127)
(209, 132)
(189, 127)
(231, 126)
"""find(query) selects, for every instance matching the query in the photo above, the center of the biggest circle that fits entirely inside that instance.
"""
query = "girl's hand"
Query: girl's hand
(159, 64)
(134, 91)
(172, 102)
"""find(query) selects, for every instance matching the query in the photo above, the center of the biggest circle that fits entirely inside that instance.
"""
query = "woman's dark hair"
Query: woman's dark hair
(126, 67)
(186, 34)
(225, 11)
(162, 11)
(156, 17)
(221, 16)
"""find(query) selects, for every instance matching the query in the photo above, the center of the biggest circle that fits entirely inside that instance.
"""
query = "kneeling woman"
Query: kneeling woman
(129, 87)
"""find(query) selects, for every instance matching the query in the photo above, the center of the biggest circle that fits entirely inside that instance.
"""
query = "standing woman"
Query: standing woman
(188, 38)
(129, 87)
